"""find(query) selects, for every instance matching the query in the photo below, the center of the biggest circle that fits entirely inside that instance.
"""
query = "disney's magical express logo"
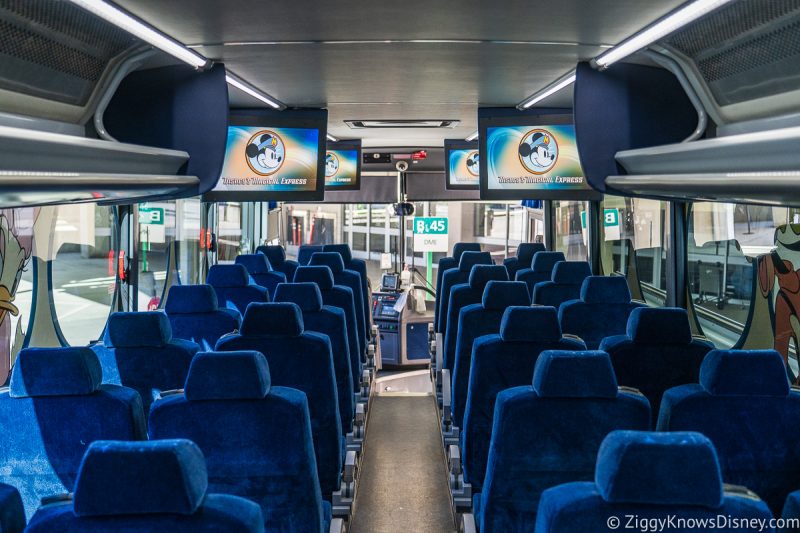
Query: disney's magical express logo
(538, 151)
(265, 153)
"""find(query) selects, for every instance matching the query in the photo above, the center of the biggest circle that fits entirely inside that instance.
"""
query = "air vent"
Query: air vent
(392, 123)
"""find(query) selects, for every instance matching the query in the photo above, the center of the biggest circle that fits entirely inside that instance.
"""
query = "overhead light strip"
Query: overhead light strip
(551, 89)
(245, 87)
(332, 139)
(472, 137)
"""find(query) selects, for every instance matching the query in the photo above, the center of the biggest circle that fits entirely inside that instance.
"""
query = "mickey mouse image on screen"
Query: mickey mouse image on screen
(331, 164)
(538, 151)
(265, 153)
(472, 163)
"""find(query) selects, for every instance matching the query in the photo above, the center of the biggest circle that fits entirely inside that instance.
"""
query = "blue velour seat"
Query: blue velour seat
(602, 310)
(359, 266)
(329, 321)
(261, 271)
(12, 513)
(524, 257)
(744, 404)
(499, 362)
(139, 352)
(549, 433)
(195, 316)
(150, 486)
(276, 256)
(791, 511)
(565, 283)
(657, 353)
(234, 287)
(649, 476)
(341, 297)
(54, 408)
(458, 276)
(305, 251)
(474, 321)
(445, 264)
(256, 438)
(301, 360)
(465, 294)
(541, 269)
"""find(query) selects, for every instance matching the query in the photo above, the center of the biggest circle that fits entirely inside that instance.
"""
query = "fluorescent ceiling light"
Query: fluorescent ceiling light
(551, 89)
(472, 137)
(252, 91)
(657, 30)
(119, 18)
(332, 139)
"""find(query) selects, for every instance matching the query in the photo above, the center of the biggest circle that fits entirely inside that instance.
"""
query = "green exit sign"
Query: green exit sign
(430, 226)
(151, 215)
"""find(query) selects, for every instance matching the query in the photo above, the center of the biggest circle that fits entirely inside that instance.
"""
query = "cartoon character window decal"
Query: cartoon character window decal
(538, 151)
(331, 165)
(473, 162)
(265, 153)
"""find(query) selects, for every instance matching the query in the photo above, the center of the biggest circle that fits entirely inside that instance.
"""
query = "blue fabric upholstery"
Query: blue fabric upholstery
(575, 375)
(140, 353)
(454, 277)
(524, 257)
(445, 264)
(791, 511)
(460, 247)
(565, 284)
(539, 441)
(602, 310)
(501, 361)
(474, 321)
(652, 476)
(657, 353)
(359, 266)
(43, 435)
(304, 361)
(12, 513)
(305, 251)
(340, 297)
(465, 294)
(744, 405)
(261, 271)
(266, 454)
(194, 316)
(329, 321)
(277, 259)
(541, 269)
(146, 486)
(234, 287)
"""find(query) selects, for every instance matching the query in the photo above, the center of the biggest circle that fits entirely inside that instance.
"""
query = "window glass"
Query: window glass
(229, 230)
(157, 230)
(570, 232)
(188, 223)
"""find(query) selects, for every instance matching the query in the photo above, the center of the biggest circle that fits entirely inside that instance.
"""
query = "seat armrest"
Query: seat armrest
(56, 498)
(739, 490)
(468, 523)
(571, 336)
(166, 393)
(349, 467)
(454, 459)
(629, 390)
(447, 401)
(337, 526)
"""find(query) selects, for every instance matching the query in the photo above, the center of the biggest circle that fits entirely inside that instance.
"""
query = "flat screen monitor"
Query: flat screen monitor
(273, 155)
(462, 164)
(530, 157)
(343, 166)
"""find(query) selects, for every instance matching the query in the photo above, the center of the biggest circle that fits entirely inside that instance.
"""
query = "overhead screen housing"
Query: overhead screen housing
(343, 166)
(461, 164)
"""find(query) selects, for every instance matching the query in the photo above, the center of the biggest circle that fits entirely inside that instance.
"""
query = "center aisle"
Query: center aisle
(403, 481)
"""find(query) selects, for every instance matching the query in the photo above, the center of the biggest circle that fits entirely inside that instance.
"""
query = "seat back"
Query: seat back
(276, 256)
(194, 315)
(330, 321)
(541, 269)
(657, 353)
(305, 251)
(146, 486)
(474, 321)
(54, 408)
(234, 287)
(359, 266)
(445, 264)
(748, 388)
(549, 433)
(457, 276)
(271, 459)
(501, 361)
(139, 352)
(12, 513)
(564, 285)
(301, 360)
(261, 271)
(524, 257)
(602, 310)
(652, 476)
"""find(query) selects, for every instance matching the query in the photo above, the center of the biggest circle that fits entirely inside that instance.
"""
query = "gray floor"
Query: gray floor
(403, 484)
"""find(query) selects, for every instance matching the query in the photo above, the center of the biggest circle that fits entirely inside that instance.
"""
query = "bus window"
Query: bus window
(570, 231)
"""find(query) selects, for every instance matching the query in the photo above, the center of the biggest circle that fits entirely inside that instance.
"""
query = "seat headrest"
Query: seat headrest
(55, 372)
(254, 263)
(571, 272)
(321, 275)
(341, 249)
(272, 320)
(744, 373)
(183, 299)
(227, 376)
(502, 294)
(480, 275)
(275, 254)
(305, 252)
(526, 251)
(643, 467)
(568, 374)
(228, 276)
(139, 329)
(659, 325)
(461, 247)
(546, 261)
(530, 324)
(470, 259)
(331, 260)
(305, 295)
(605, 290)
(140, 477)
